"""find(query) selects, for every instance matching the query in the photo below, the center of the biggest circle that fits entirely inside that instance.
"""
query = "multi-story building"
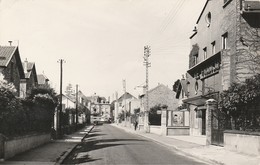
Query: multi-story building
(225, 49)
(99, 108)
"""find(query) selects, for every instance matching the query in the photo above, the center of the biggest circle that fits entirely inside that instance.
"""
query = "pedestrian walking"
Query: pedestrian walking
(136, 124)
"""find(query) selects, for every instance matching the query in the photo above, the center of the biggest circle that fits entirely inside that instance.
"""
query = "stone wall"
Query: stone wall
(21, 144)
(242, 142)
(175, 131)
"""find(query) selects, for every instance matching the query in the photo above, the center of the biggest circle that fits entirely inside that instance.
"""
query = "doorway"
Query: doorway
(203, 117)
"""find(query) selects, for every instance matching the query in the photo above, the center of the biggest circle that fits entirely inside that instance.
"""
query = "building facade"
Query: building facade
(161, 95)
(11, 66)
(225, 50)
(30, 80)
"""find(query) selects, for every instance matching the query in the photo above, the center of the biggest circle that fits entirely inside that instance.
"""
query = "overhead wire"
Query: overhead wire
(165, 45)
(165, 21)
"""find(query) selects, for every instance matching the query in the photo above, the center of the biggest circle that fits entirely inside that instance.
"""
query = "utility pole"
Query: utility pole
(59, 117)
(116, 108)
(77, 106)
(124, 87)
(147, 64)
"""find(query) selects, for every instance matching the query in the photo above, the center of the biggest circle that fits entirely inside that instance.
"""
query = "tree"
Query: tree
(42, 102)
(249, 48)
(69, 90)
(241, 103)
(176, 85)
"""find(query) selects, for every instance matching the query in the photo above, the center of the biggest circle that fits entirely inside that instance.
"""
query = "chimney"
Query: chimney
(25, 67)
(10, 42)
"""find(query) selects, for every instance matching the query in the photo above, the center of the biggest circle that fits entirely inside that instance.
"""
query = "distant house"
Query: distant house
(30, 80)
(162, 95)
(43, 81)
(124, 102)
(99, 108)
(67, 103)
(11, 66)
(133, 105)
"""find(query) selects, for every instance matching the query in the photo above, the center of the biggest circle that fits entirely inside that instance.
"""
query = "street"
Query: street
(109, 145)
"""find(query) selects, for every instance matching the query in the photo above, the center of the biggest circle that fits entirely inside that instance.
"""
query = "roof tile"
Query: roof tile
(6, 53)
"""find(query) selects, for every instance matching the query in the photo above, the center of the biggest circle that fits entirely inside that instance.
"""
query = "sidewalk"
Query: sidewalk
(53, 152)
(210, 154)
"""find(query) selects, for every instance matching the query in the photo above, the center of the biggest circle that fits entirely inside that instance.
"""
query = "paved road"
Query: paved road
(109, 145)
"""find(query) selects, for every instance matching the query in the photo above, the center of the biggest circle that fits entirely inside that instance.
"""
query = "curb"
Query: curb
(66, 154)
(194, 156)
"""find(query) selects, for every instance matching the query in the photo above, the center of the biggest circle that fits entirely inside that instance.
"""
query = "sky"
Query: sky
(102, 41)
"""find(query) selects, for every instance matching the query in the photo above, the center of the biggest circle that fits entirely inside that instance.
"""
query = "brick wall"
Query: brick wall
(248, 48)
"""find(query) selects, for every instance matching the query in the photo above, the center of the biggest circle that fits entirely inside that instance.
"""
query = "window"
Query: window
(195, 59)
(196, 87)
(213, 48)
(188, 88)
(205, 53)
(208, 19)
(224, 40)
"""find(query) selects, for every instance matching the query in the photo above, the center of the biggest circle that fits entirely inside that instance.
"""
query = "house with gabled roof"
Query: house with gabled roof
(124, 101)
(43, 80)
(30, 80)
(162, 95)
(11, 66)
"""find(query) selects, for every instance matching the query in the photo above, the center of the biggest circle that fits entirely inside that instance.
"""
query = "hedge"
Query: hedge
(24, 116)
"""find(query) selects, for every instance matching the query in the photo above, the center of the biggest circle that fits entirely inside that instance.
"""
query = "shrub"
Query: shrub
(241, 104)
(33, 114)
